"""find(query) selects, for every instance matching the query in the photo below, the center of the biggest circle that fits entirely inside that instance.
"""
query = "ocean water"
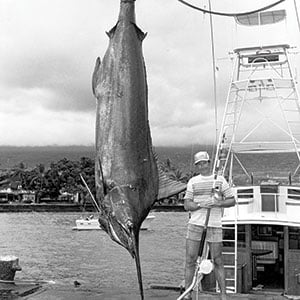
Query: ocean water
(48, 249)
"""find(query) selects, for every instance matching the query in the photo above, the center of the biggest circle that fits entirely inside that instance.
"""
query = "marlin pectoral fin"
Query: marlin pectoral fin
(103, 223)
(107, 226)
(95, 75)
(141, 35)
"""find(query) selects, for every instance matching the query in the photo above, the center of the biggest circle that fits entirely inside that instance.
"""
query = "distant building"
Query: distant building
(19, 195)
(66, 197)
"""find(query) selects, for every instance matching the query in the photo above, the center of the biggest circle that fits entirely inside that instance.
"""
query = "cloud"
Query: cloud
(48, 51)
(63, 129)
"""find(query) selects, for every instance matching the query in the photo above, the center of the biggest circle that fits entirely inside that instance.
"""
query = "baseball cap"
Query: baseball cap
(201, 156)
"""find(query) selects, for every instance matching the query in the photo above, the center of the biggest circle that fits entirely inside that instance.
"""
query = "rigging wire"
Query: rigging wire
(297, 15)
(91, 194)
(231, 14)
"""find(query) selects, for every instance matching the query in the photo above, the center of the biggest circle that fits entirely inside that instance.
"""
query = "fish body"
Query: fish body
(125, 168)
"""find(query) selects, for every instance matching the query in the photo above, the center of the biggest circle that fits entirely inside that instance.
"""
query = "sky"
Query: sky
(48, 50)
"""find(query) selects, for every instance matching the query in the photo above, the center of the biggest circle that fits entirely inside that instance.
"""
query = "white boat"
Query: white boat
(259, 151)
(91, 223)
(262, 232)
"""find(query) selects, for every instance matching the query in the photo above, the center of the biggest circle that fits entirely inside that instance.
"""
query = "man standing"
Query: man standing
(198, 199)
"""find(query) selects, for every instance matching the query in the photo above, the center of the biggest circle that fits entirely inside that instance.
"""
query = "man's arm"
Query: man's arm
(228, 195)
(222, 200)
(228, 202)
(190, 205)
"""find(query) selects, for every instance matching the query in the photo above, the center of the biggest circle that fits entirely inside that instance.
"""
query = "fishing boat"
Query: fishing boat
(91, 223)
(261, 160)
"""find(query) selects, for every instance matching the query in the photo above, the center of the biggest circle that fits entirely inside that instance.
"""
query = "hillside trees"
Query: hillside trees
(61, 176)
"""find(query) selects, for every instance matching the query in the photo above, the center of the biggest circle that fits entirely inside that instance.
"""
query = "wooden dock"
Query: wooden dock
(66, 292)
(10, 291)
(254, 295)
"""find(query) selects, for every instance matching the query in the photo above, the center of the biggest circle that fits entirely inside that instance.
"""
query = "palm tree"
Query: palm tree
(178, 175)
(39, 180)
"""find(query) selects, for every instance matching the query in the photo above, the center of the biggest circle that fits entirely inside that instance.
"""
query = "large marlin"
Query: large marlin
(126, 170)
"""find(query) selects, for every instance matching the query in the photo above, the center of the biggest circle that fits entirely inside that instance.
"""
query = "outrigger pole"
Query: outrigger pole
(214, 76)
(297, 15)
(202, 260)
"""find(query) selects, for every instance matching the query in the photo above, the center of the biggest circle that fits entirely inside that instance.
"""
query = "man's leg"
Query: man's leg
(192, 248)
(216, 253)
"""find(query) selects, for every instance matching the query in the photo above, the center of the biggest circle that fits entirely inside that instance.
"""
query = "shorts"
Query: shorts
(213, 234)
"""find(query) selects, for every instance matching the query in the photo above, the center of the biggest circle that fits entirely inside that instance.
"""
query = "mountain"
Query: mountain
(10, 156)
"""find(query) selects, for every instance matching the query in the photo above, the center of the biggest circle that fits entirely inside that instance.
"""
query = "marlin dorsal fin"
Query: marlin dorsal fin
(167, 186)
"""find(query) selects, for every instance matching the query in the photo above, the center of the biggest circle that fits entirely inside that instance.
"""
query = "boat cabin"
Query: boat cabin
(268, 237)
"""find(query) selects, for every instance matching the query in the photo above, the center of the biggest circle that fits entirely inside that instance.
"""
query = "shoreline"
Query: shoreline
(69, 207)
(39, 207)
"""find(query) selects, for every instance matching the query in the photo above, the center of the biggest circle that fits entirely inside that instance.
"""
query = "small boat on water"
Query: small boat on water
(91, 223)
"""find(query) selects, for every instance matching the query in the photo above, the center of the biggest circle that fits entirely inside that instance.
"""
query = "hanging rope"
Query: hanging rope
(231, 14)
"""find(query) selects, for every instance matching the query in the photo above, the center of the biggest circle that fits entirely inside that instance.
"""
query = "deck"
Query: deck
(72, 293)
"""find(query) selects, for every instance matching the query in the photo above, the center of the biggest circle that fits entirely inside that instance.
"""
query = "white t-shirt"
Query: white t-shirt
(199, 190)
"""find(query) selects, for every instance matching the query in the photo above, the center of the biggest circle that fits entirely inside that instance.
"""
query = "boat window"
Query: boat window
(261, 18)
(269, 203)
(294, 238)
(263, 58)
(269, 198)
(294, 194)
(269, 189)
(264, 230)
(245, 193)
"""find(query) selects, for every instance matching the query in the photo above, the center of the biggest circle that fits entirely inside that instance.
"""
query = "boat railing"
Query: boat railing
(273, 202)
(269, 55)
(281, 177)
